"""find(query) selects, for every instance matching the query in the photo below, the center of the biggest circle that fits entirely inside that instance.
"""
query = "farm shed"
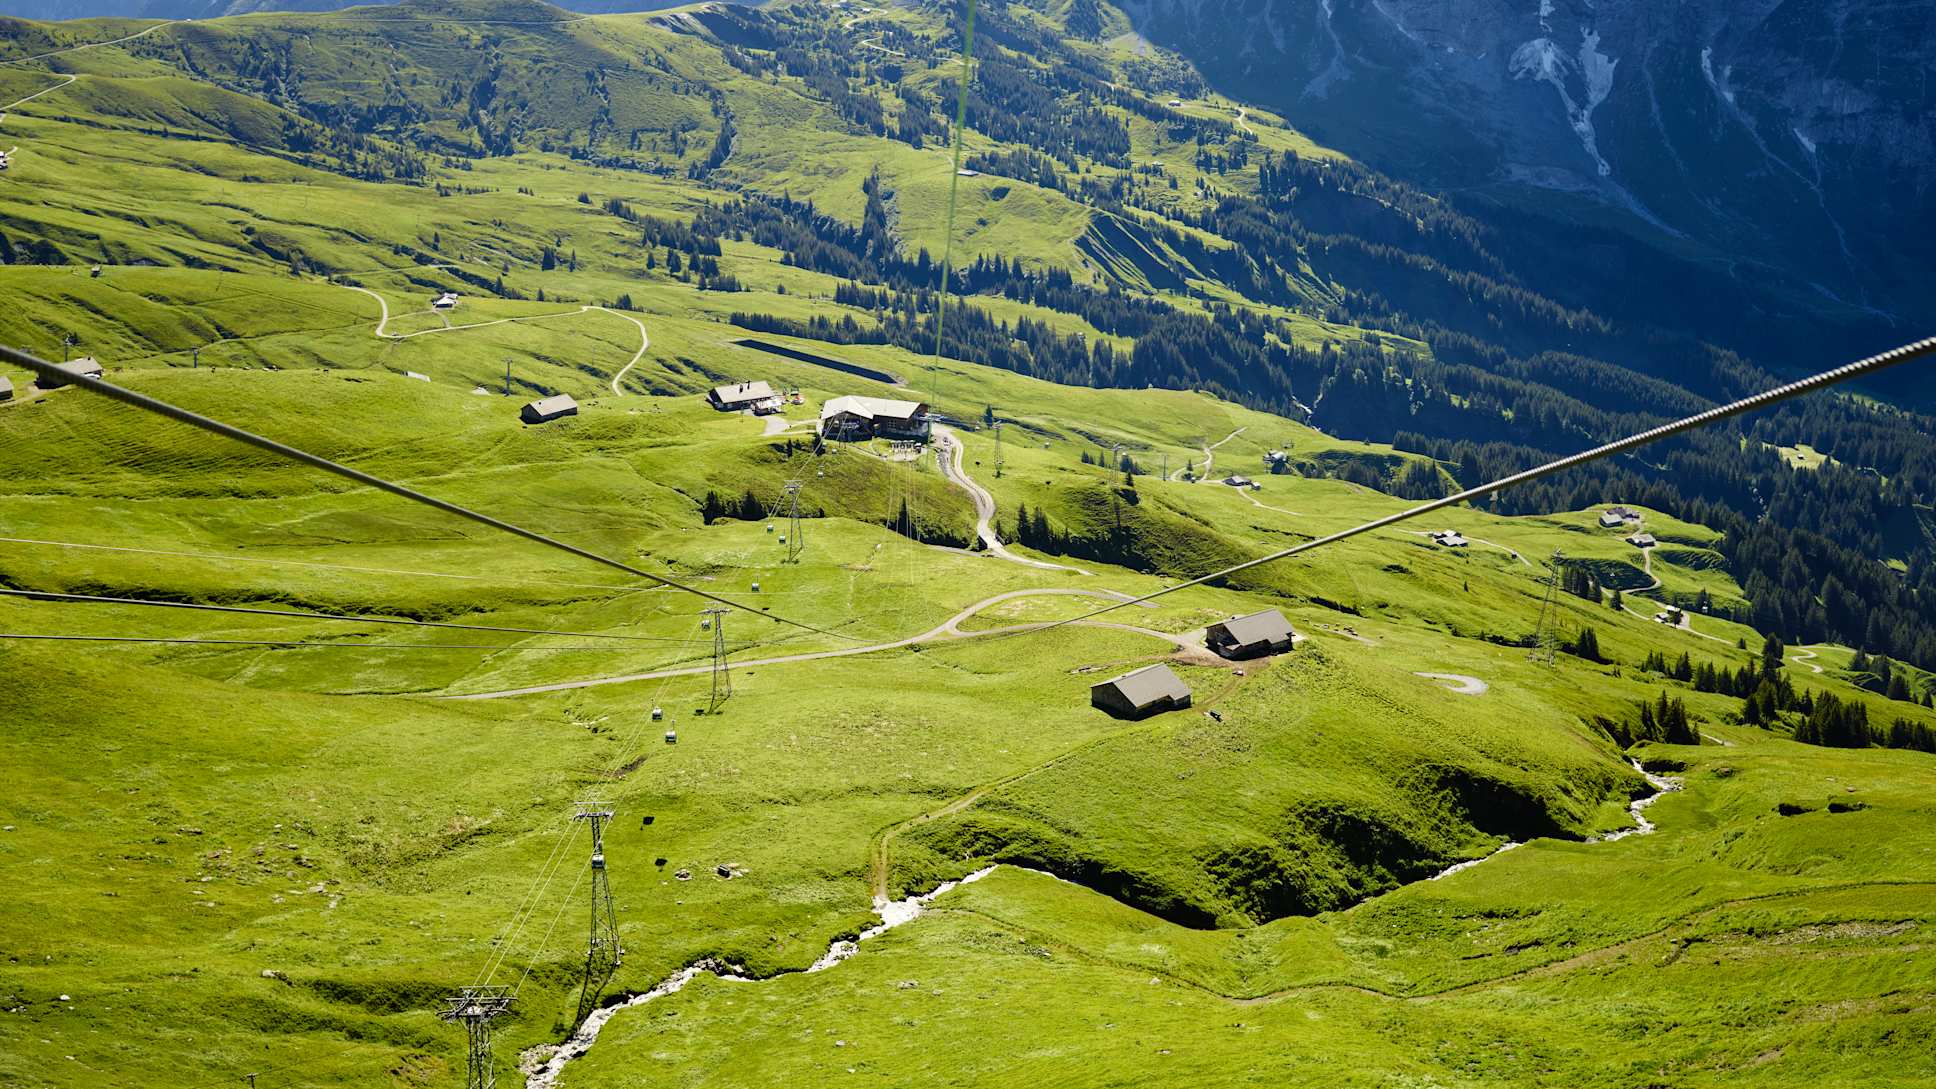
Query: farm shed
(1141, 692)
(1250, 636)
(1642, 540)
(546, 409)
(85, 365)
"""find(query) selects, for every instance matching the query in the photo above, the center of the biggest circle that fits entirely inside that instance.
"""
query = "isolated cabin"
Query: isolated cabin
(548, 409)
(1141, 692)
(1450, 538)
(1611, 520)
(1642, 540)
(1237, 481)
(6, 388)
(85, 366)
(756, 397)
(853, 417)
(446, 301)
(1251, 636)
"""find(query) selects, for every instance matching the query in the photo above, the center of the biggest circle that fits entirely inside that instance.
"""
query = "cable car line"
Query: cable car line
(1823, 380)
(142, 401)
(48, 595)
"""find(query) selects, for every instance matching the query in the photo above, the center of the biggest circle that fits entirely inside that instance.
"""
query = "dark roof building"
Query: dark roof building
(1141, 692)
(1250, 636)
(546, 409)
(740, 396)
(82, 366)
(1642, 540)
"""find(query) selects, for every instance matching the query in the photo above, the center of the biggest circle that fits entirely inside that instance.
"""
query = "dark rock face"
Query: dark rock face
(1796, 134)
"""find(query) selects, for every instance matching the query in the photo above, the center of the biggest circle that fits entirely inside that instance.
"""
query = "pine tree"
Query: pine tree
(1588, 645)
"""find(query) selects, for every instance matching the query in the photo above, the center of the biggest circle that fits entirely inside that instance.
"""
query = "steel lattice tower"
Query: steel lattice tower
(477, 1007)
(1545, 639)
(603, 952)
(794, 544)
(722, 678)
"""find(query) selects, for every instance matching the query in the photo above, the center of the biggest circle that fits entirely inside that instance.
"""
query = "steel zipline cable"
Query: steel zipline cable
(1874, 363)
(42, 368)
(97, 599)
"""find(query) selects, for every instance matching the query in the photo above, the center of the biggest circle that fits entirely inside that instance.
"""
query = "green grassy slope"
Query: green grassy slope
(235, 858)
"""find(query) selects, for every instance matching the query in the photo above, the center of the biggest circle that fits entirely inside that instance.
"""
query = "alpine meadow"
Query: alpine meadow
(1350, 544)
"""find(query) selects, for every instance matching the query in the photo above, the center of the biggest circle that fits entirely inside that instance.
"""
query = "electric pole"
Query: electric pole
(794, 544)
(722, 679)
(1545, 639)
(999, 463)
(477, 1007)
(194, 364)
(507, 378)
(603, 953)
(67, 344)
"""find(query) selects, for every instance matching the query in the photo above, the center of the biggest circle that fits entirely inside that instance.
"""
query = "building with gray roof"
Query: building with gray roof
(1141, 692)
(546, 409)
(1250, 636)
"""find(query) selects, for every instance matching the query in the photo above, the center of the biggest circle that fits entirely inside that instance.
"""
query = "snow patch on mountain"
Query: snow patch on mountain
(1320, 85)
(1542, 59)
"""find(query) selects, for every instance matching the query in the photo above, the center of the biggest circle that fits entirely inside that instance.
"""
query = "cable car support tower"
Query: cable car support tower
(603, 952)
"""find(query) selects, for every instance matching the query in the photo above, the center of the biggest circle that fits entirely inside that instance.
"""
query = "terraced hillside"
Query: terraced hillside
(270, 834)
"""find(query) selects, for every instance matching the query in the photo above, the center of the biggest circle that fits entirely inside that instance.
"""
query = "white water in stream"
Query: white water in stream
(541, 1066)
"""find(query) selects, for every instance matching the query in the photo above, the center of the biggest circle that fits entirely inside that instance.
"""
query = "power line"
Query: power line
(502, 647)
(282, 562)
(1890, 358)
(142, 401)
(48, 595)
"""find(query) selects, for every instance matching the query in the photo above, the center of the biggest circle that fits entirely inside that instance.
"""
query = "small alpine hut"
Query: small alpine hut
(547, 409)
(85, 366)
(1141, 693)
(853, 417)
(1250, 636)
(1611, 520)
(446, 301)
(756, 397)
(6, 388)
(1642, 540)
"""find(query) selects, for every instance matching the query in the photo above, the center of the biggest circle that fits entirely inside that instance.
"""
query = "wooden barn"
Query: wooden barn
(1140, 693)
(547, 409)
(1251, 636)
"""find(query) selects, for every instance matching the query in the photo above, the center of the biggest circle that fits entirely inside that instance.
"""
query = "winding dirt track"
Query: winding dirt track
(1209, 457)
(947, 630)
(949, 455)
(1459, 682)
(92, 45)
(383, 324)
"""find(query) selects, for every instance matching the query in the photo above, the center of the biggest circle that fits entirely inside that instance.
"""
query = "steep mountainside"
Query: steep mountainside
(1788, 144)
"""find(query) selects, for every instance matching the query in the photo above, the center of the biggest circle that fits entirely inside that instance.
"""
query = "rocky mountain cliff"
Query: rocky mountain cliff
(1791, 141)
